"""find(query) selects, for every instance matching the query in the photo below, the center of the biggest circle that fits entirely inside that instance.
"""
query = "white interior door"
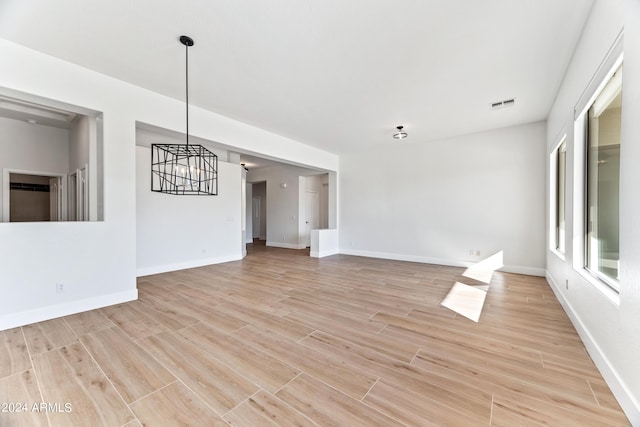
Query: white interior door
(81, 194)
(55, 199)
(312, 215)
(72, 197)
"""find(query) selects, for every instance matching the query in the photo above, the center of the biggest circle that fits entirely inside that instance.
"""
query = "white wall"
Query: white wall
(243, 209)
(31, 147)
(282, 205)
(608, 324)
(176, 232)
(249, 213)
(436, 201)
(324, 201)
(96, 261)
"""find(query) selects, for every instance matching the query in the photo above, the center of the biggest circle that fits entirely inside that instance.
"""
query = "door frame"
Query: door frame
(6, 189)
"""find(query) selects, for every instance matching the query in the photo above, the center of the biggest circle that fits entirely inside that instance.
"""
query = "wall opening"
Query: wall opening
(48, 139)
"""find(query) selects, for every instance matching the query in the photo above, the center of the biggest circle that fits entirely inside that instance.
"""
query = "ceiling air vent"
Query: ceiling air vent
(503, 104)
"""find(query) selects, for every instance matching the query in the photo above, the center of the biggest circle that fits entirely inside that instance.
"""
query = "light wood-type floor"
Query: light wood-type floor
(284, 339)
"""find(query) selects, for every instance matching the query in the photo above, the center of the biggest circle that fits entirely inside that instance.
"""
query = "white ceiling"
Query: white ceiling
(335, 74)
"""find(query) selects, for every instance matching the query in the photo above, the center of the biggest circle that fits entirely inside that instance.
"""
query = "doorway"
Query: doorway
(34, 197)
(259, 211)
(256, 217)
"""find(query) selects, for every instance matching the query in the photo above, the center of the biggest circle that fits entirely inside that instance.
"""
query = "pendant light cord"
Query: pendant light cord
(186, 46)
(187, 41)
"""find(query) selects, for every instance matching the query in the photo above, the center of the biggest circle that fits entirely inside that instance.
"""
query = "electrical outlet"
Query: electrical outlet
(59, 288)
(471, 252)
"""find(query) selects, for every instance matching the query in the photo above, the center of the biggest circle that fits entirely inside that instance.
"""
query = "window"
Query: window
(559, 158)
(602, 181)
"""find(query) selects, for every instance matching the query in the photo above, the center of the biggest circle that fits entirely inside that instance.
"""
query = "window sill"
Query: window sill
(558, 254)
(611, 294)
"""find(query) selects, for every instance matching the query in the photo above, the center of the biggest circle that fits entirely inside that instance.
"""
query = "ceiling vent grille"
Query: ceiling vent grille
(503, 104)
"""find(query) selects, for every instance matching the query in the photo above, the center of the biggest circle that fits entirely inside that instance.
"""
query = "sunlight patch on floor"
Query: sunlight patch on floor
(468, 300)
(483, 270)
(478, 274)
(465, 300)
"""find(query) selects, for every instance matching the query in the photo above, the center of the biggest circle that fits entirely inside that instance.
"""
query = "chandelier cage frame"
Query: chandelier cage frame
(184, 169)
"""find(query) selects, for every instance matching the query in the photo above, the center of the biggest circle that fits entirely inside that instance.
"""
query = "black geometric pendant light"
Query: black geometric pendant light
(184, 169)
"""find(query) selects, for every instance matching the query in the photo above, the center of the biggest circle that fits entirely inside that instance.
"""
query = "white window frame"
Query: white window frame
(554, 238)
(607, 68)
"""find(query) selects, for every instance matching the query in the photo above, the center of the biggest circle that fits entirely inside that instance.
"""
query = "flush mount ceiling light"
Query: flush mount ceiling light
(184, 169)
(400, 134)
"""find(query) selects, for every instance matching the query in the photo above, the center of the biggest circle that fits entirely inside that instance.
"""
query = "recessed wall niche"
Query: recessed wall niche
(50, 160)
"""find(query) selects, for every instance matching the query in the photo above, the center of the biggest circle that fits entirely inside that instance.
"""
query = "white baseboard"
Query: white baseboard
(531, 271)
(403, 257)
(157, 269)
(53, 311)
(322, 254)
(286, 245)
(628, 404)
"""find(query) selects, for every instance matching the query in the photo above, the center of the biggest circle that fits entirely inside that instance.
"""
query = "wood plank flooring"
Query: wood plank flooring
(282, 339)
